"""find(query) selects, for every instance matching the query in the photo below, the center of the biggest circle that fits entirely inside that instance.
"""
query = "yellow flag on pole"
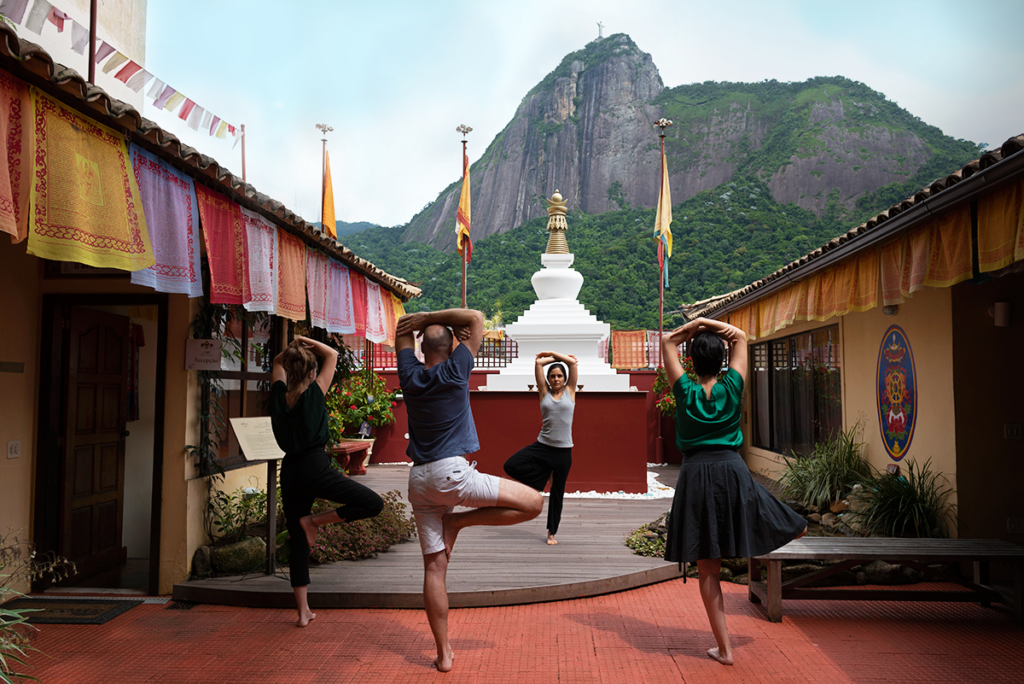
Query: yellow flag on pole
(329, 224)
(663, 221)
(462, 216)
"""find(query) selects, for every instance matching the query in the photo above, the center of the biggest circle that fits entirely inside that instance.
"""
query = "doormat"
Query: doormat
(71, 611)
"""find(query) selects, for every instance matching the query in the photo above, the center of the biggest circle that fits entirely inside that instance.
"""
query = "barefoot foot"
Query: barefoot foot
(715, 655)
(309, 528)
(551, 540)
(450, 533)
(800, 535)
(305, 618)
(445, 663)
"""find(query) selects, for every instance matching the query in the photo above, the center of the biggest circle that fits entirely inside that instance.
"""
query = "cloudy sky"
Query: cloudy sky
(395, 79)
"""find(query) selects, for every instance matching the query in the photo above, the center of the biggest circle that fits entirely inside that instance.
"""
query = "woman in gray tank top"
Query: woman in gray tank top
(550, 457)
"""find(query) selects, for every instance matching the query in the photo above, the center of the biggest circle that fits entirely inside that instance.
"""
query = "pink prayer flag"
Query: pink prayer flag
(231, 129)
(261, 242)
(164, 97)
(213, 125)
(129, 70)
(226, 250)
(186, 109)
(103, 51)
(376, 321)
(358, 283)
(57, 18)
(340, 316)
(317, 270)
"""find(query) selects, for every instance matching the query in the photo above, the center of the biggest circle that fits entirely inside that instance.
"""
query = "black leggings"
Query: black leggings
(306, 477)
(534, 464)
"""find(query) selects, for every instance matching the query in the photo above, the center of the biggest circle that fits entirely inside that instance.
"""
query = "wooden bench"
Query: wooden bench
(916, 553)
(350, 456)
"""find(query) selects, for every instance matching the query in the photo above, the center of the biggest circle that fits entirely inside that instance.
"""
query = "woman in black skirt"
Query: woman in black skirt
(550, 457)
(719, 511)
(298, 414)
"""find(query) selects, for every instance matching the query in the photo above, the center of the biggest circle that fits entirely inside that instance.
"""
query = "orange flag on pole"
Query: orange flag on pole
(465, 244)
(329, 224)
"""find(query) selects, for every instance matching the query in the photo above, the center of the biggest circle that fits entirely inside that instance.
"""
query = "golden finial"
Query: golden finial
(557, 225)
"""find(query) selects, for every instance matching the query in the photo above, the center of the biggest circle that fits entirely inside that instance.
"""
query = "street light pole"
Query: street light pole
(325, 129)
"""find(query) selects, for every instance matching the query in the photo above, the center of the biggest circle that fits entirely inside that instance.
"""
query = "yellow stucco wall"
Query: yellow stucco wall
(19, 342)
(926, 319)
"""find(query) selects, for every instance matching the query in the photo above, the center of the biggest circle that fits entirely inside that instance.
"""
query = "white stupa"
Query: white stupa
(557, 321)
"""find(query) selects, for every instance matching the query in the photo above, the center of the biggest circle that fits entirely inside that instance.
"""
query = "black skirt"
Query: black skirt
(720, 511)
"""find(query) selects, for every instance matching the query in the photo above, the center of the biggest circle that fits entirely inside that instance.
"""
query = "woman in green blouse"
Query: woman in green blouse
(719, 510)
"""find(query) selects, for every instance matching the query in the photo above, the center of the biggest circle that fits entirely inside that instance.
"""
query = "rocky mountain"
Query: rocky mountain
(829, 145)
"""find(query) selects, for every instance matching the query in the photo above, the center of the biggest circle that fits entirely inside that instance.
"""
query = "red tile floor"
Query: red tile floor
(652, 634)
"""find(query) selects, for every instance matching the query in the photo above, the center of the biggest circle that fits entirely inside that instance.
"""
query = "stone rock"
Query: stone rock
(202, 563)
(661, 521)
(796, 506)
(880, 572)
(650, 534)
(743, 579)
(240, 557)
(828, 520)
(814, 518)
(735, 565)
(812, 508)
(840, 506)
(726, 574)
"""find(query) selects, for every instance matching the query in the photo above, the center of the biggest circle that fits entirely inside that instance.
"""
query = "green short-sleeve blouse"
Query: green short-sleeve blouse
(704, 422)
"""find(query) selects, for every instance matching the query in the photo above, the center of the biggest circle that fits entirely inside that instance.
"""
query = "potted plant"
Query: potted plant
(356, 404)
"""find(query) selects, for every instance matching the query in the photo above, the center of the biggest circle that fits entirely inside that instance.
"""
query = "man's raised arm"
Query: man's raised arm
(466, 324)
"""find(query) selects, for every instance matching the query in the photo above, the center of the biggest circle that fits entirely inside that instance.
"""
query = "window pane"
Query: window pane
(782, 396)
(828, 389)
(803, 395)
(760, 429)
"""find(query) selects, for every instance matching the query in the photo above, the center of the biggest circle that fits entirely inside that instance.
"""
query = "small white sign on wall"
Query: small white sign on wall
(202, 355)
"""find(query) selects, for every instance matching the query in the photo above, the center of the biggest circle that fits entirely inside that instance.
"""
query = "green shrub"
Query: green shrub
(232, 515)
(828, 474)
(642, 545)
(911, 505)
(362, 538)
(20, 563)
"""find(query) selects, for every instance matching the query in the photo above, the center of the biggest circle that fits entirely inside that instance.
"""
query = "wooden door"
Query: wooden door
(92, 458)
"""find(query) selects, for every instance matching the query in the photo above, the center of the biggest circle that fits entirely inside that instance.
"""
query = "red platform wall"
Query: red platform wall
(614, 434)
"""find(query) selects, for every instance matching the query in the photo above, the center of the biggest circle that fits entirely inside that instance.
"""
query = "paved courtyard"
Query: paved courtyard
(651, 634)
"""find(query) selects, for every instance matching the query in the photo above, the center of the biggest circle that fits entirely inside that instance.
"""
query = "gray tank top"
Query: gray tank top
(557, 419)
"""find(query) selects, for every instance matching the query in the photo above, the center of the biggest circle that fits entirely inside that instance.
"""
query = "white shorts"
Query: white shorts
(437, 488)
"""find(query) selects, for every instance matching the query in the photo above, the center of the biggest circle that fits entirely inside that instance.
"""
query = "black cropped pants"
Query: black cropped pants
(533, 465)
(306, 477)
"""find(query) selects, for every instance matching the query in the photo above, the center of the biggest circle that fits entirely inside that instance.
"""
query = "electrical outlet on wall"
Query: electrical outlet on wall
(14, 448)
(1013, 431)
(1015, 525)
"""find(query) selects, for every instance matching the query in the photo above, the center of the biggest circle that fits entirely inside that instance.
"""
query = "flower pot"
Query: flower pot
(355, 466)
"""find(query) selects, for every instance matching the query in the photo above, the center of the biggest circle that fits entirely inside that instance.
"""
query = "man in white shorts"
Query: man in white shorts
(441, 434)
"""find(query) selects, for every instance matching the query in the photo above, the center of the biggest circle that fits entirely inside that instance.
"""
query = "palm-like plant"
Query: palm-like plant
(911, 505)
(829, 473)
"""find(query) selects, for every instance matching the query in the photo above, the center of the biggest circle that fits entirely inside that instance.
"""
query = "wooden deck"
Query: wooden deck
(491, 566)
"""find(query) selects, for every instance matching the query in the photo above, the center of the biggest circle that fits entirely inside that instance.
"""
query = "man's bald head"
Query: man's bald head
(437, 339)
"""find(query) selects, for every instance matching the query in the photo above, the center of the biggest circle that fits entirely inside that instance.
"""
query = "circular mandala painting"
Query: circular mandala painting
(896, 392)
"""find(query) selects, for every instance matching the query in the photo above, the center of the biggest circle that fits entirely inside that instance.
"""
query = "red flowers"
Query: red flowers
(394, 404)
(353, 407)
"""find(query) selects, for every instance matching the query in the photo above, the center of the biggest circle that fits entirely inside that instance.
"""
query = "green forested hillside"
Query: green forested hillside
(724, 239)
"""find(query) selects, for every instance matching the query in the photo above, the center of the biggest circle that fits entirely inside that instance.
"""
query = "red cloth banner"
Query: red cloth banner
(359, 301)
(15, 131)
(224, 235)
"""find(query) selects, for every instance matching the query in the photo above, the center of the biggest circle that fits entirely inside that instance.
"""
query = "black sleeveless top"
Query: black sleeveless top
(304, 426)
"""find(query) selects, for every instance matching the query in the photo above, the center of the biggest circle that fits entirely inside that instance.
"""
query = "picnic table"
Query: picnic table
(915, 553)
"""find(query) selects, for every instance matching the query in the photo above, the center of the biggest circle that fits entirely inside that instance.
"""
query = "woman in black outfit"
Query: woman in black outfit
(298, 414)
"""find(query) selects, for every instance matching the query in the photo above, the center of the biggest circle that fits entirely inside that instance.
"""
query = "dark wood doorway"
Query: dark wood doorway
(80, 456)
(93, 444)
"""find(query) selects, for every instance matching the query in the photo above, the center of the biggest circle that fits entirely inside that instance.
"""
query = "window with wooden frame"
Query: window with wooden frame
(796, 391)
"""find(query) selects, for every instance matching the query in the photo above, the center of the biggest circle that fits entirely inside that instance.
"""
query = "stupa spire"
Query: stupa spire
(557, 225)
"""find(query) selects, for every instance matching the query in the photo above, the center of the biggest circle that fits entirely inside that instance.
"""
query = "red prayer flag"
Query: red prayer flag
(127, 71)
(186, 109)
(358, 301)
(224, 235)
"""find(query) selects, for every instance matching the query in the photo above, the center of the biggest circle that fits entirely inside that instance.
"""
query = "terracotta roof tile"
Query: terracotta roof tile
(18, 55)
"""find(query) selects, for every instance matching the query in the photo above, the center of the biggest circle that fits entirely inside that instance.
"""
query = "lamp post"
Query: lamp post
(464, 131)
(325, 129)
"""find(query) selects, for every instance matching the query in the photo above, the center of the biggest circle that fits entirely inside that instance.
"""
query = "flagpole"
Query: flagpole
(243, 151)
(463, 251)
(661, 276)
(325, 129)
(92, 42)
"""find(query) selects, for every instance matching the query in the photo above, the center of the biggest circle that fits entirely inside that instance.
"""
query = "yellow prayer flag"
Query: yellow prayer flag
(465, 244)
(222, 130)
(85, 203)
(663, 219)
(175, 100)
(329, 223)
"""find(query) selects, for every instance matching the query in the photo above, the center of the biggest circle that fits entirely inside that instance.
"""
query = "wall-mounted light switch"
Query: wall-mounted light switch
(1013, 431)
(14, 448)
